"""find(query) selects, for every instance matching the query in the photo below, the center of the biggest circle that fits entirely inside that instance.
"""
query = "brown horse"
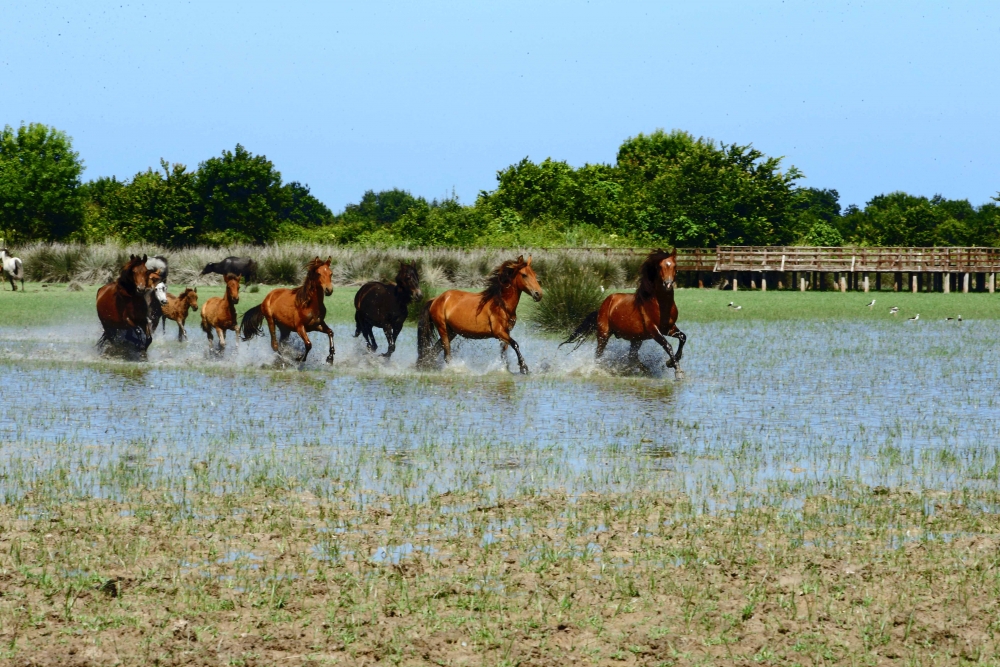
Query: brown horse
(176, 308)
(648, 314)
(219, 313)
(299, 310)
(491, 313)
(121, 305)
(386, 305)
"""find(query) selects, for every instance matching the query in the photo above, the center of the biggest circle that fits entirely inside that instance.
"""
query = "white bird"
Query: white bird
(893, 310)
(915, 317)
(948, 319)
(734, 306)
(872, 303)
(602, 289)
(959, 318)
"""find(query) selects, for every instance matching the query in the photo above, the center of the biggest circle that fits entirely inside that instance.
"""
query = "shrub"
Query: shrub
(571, 292)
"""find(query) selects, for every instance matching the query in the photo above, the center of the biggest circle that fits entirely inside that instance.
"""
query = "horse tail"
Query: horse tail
(357, 323)
(425, 334)
(586, 329)
(252, 323)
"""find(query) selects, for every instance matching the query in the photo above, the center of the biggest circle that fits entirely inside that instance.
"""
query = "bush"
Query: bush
(571, 292)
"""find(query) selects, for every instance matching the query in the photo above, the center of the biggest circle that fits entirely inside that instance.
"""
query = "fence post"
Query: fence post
(802, 283)
(913, 282)
(992, 282)
(763, 282)
(946, 283)
(866, 283)
(965, 283)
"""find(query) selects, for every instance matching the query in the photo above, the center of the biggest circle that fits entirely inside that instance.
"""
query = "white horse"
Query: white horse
(158, 297)
(12, 268)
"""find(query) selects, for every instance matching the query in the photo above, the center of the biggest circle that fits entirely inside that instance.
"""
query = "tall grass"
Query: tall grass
(571, 291)
(282, 264)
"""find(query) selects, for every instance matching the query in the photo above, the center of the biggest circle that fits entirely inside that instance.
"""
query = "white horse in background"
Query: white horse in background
(158, 298)
(12, 268)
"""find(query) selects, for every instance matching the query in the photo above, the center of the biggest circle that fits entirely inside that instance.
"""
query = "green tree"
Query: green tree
(695, 192)
(40, 195)
(242, 197)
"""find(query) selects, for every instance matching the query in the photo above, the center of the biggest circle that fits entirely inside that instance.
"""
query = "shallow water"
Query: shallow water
(767, 412)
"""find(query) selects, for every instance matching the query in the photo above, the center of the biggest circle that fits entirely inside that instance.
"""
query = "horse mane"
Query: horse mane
(124, 279)
(498, 280)
(649, 276)
(303, 291)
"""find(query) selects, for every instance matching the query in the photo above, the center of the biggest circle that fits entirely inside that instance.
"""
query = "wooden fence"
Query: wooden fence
(855, 260)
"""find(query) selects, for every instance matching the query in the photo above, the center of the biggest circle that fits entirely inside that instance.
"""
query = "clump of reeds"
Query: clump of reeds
(571, 291)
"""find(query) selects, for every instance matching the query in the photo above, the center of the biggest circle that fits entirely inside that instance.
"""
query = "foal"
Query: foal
(219, 313)
(177, 308)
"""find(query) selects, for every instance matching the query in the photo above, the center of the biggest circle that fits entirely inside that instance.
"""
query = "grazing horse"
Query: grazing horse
(241, 266)
(299, 310)
(176, 308)
(491, 313)
(386, 305)
(649, 313)
(12, 268)
(219, 313)
(121, 305)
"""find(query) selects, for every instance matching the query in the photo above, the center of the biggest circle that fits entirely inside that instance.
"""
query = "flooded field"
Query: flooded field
(811, 491)
(764, 408)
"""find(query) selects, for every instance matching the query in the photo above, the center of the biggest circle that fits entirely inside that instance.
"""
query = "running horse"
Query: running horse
(386, 305)
(121, 305)
(648, 314)
(219, 313)
(300, 310)
(491, 313)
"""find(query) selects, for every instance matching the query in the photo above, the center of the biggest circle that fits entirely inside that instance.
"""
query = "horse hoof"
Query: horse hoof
(329, 359)
(678, 374)
(524, 370)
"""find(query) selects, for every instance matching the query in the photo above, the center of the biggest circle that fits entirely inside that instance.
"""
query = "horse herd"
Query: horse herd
(131, 308)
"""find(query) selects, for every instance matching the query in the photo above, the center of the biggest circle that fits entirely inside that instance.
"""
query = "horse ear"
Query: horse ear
(520, 259)
(529, 261)
(673, 253)
(329, 258)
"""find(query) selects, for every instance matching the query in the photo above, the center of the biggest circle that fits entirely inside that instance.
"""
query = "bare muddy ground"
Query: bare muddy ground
(284, 577)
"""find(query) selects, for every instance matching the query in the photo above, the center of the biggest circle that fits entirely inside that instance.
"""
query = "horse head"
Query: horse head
(232, 288)
(667, 267)
(408, 279)
(191, 296)
(324, 275)
(161, 293)
(525, 279)
(135, 276)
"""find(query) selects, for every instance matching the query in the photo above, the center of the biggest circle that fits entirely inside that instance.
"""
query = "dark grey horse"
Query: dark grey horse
(241, 266)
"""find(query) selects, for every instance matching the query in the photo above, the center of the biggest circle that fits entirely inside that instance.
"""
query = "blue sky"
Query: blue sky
(435, 97)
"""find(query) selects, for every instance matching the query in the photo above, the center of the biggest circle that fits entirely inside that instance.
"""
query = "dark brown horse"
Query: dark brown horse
(121, 305)
(386, 305)
(219, 313)
(299, 310)
(491, 313)
(648, 314)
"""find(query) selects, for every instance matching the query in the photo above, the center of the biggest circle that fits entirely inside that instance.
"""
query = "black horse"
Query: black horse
(385, 305)
(241, 266)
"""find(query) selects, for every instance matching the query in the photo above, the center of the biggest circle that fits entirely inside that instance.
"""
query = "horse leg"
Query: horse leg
(390, 339)
(323, 328)
(369, 334)
(679, 335)
(270, 328)
(506, 340)
(222, 338)
(503, 355)
(444, 339)
(301, 331)
(672, 363)
(633, 351)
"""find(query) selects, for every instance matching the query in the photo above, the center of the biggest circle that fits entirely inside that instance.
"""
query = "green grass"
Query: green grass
(47, 306)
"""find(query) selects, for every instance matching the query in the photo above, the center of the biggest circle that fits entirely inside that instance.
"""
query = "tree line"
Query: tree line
(665, 188)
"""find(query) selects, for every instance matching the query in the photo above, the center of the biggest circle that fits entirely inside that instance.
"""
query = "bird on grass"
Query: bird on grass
(915, 317)
(893, 310)
(734, 306)
(871, 304)
(959, 318)
(602, 289)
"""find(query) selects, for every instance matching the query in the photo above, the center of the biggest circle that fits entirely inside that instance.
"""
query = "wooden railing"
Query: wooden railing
(857, 259)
